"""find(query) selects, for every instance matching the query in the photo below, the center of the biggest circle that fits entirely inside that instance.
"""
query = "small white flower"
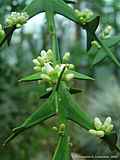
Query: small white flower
(48, 68)
(43, 53)
(97, 123)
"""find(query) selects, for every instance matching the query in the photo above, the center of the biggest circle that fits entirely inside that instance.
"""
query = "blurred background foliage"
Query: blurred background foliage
(100, 98)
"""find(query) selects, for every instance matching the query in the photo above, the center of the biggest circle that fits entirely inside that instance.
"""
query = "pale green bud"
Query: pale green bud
(109, 128)
(62, 129)
(69, 76)
(49, 53)
(100, 134)
(71, 66)
(17, 19)
(55, 128)
(45, 77)
(66, 57)
(107, 30)
(37, 68)
(49, 89)
(92, 131)
(43, 53)
(40, 59)
(107, 121)
(97, 123)
(18, 25)
(96, 44)
(36, 62)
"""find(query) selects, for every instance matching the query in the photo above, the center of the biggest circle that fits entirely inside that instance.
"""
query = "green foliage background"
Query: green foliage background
(18, 100)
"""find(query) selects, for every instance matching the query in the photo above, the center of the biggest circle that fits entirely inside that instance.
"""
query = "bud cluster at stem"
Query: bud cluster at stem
(84, 16)
(102, 128)
(106, 33)
(50, 71)
(95, 44)
(17, 19)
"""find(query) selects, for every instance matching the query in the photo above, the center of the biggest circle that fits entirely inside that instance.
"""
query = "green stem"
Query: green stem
(53, 36)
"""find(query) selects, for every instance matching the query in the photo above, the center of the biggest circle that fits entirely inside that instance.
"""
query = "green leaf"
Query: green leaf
(55, 6)
(32, 77)
(8, 35)
(75, 90)
(46, 95)
(100, 54)
(112, 41)
(71, 90)
(45, 111)
(99, 57)
(80, 76)
(62, 149)
(105, 51)
(72, 109)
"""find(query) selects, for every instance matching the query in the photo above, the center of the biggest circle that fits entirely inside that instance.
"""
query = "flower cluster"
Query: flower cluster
(50, 71)
(107, 32)
(17, 19)
(102, 128)
(59, 129)
(2, 32)
(95, 44)
(84, 16)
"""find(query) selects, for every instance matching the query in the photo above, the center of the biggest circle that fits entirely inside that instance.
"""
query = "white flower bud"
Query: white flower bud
(100, 134)
(49, 89)
(92, 131)
(108, 121)
(55, 128)
(109, 128)
(66, 57)
(17, 19)
(69, 76)
(71, 66)
(48, 68)
(36, 62)
(43, 53)
(97, 123)
(40, 59)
